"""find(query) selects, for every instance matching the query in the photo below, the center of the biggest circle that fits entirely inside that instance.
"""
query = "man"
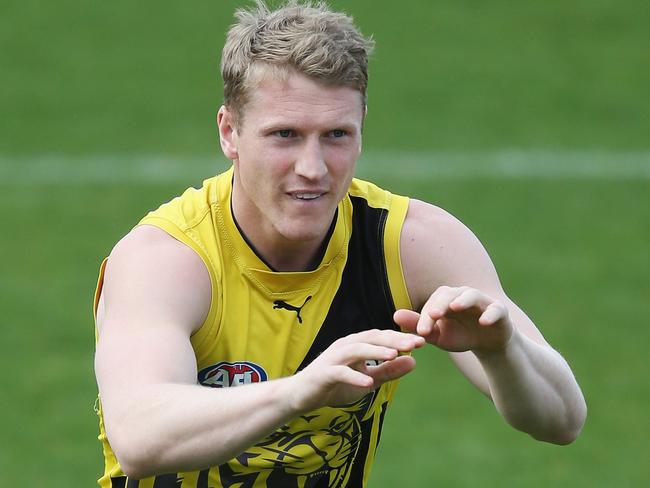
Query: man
(250, 332)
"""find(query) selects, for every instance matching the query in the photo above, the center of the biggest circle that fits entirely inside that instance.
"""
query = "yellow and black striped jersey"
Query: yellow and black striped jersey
(264, 324)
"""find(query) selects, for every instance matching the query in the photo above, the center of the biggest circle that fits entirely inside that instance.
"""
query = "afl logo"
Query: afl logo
(224, 374)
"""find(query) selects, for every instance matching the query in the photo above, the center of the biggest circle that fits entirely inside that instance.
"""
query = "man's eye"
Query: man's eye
(285, 133)
(336, 133)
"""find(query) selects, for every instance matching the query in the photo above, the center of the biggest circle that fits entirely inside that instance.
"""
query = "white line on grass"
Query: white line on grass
(505, 164)
(508, 164)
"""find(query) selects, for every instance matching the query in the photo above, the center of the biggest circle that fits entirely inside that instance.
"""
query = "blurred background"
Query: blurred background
(528, 120)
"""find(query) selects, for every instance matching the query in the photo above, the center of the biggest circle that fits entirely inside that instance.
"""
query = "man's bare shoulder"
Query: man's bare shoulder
(433, 232)
(438, 249)
(423, 215)
(151, 274)
(151, 239)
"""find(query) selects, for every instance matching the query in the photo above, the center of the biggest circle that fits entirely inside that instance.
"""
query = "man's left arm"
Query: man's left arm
(463, 310)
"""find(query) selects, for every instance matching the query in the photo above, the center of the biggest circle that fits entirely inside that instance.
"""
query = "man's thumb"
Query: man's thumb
(406, 319)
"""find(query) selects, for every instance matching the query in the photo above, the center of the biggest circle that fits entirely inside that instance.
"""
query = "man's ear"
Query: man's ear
(227, 133)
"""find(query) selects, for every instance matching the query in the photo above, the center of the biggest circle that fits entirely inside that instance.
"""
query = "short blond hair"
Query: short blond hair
(302, 37)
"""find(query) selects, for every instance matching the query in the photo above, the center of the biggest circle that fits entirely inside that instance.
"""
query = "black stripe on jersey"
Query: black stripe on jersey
(381, 422)
(124, 482)
(363, 300)
(202, 482)
(356, 473)
(167, 481)
(119, 482)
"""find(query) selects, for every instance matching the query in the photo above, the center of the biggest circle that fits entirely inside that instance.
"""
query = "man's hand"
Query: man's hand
(460, 319)
(340, 374)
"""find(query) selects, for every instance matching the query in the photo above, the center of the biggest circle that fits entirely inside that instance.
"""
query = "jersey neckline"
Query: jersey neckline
(251, 264)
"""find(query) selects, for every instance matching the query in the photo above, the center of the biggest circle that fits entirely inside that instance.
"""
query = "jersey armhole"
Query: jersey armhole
(392, 234)
(98, 294)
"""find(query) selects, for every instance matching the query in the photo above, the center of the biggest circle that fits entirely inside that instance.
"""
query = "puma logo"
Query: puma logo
(288, 306)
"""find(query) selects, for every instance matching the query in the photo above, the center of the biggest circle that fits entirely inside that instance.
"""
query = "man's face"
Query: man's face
(294, 156)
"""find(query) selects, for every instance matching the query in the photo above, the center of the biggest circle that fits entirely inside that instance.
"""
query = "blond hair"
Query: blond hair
(303, 37)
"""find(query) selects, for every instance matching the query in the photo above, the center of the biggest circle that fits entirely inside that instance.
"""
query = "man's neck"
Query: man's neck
(284, 255)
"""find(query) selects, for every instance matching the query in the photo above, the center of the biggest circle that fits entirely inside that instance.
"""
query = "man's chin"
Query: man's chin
(304, 230)
(302, 235)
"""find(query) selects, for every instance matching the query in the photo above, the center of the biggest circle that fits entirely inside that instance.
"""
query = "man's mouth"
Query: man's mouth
(306, 196)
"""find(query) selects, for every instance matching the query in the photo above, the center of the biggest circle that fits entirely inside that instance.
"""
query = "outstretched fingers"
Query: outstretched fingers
(449, 303)
(341, 374)
(384, 346)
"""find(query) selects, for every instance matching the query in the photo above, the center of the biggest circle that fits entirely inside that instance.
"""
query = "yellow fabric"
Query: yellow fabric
(243, 326)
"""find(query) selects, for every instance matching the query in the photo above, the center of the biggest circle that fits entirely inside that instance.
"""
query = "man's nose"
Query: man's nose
(311, 161)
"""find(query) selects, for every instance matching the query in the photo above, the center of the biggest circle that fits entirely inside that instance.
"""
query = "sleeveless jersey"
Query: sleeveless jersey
(264, 324)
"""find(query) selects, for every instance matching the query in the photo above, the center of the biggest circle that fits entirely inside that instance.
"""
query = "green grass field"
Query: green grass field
(530, 123)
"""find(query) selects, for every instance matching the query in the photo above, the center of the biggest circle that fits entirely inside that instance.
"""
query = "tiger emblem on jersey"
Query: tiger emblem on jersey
(313, 450)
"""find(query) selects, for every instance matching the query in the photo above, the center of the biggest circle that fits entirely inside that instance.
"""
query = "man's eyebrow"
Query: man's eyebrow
(273, 125)
(277, 124)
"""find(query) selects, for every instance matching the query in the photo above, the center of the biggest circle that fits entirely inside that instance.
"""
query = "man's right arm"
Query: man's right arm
(158, 419)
